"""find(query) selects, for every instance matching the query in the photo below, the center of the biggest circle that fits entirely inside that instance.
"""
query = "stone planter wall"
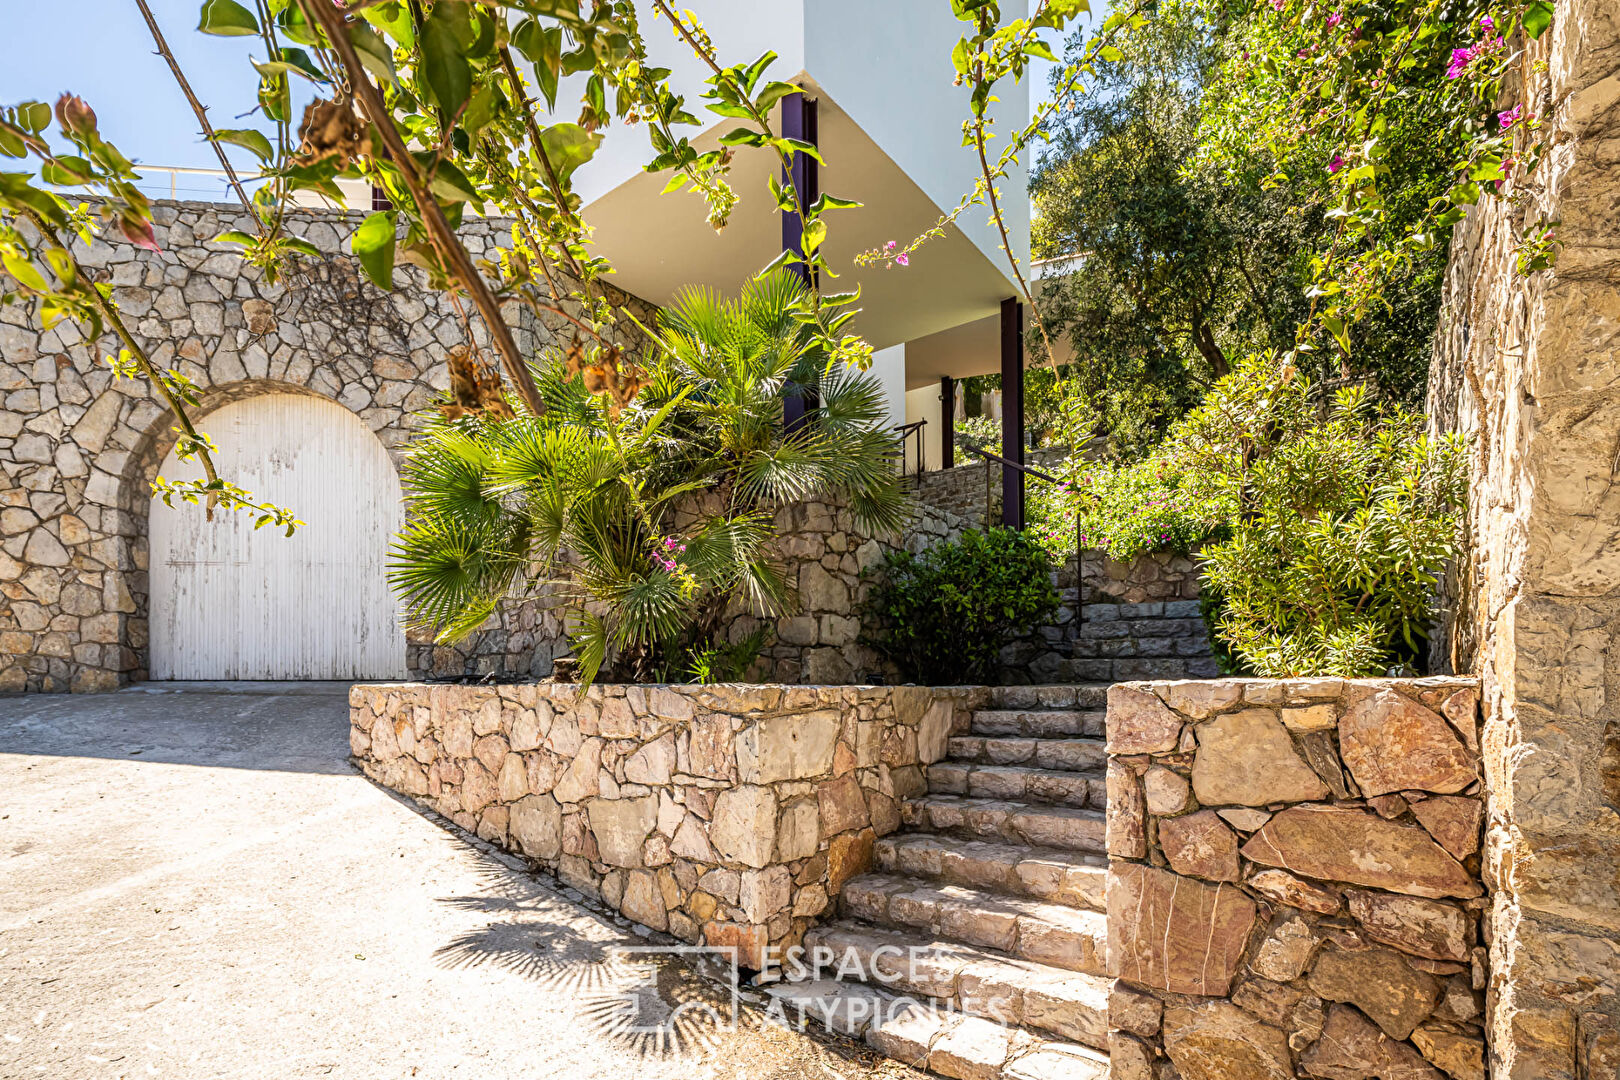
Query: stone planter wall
(1294, 880)
(728, 815)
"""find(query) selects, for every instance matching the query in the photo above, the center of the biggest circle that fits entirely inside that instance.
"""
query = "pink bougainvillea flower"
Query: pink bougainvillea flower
(1335, 165)
(889, 246)
(1334, 20)
(1510, 117)
(1460, 59)
(1486, 23)
(903, 259)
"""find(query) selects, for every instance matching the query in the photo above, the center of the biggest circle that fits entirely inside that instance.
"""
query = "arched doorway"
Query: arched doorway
(229, 602)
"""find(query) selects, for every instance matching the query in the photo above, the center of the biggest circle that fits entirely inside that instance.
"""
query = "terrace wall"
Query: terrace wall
(726, 815)
(1295, 879)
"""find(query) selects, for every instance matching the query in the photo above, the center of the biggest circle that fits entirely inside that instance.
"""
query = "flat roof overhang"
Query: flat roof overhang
(659, 243)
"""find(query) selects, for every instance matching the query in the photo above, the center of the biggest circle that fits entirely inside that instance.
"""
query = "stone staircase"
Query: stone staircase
(987, 910)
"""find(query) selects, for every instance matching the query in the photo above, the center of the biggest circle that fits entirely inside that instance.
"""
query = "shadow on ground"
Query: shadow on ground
(286, 727)
(649, 1000)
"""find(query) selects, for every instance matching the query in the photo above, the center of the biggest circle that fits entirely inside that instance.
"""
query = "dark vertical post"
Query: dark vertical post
(799, 122)
(947, 417)
(1012, 412)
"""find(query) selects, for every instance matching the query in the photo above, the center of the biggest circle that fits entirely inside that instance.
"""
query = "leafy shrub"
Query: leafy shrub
(655, 518)
(979, 433)
(1121, 509)
(1341, 515)
(945, 615)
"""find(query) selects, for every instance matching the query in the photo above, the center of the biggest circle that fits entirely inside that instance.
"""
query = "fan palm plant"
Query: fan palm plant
(650, 521)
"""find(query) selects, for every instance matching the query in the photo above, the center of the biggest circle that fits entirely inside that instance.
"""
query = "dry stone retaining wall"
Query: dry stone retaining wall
(1294, 880)
(960, 489)
(729, 815)
(1139, 620)
(1528, 365)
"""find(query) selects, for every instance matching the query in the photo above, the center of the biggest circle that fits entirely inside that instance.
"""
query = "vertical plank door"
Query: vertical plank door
(232, 602)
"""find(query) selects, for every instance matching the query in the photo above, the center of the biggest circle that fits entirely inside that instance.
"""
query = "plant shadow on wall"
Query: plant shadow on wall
(645, 502)
(1322, 520)
(944, 615)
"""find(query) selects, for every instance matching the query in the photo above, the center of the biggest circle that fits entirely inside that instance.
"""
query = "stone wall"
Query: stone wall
(726, 815)
(1294, 881)
(78, 448)
(1138, 620)
(960, 489)
(1529, 366)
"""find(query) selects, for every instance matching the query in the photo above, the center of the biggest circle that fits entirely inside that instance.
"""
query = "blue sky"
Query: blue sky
(113, 67)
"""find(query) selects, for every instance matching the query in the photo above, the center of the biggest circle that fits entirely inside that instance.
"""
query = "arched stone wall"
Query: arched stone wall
(78, 447)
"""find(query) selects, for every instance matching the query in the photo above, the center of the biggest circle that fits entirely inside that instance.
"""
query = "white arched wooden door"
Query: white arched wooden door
(232, 602)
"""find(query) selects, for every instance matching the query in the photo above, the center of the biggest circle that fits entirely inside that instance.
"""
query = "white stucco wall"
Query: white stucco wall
(923, 404)
(889, 368)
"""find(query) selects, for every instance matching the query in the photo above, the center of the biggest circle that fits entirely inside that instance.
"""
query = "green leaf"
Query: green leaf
(568, 146)
(235, 236)
(373, 51)
(1538, 15)
(832, 202)
(373, 245)
(302, 247)
(248, 139)
(34, 115)
(394, 20)
(742, 136)
(1040, 49)
(444, 67)
(962, 56)
(227, 19)
(292, 60)
(25, 272)
(295, 25)
(11, 145)
(773, 93)
(815, 232)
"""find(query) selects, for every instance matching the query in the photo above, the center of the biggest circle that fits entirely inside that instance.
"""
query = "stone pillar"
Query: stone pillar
(1529, 366)
(1293, 879)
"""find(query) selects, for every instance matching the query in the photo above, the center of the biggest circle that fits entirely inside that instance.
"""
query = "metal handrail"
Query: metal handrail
(1079, 543)
(904, 432)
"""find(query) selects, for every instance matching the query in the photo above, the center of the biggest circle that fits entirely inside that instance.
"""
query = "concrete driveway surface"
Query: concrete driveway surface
(195, 883)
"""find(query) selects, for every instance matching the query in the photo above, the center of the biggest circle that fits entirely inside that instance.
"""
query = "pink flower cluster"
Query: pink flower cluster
(901, 259)
(1335, 165)
(665, 557)
(1511, 117)
(1461, 58)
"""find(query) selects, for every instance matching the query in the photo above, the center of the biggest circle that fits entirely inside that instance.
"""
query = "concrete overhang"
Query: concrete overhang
(659, 243)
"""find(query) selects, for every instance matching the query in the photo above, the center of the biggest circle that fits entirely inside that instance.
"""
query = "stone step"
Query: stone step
(1017, 782)
(934, 1036)
(1020, 926)
(1044, 825)
(1039, 723)
(1070, 696)
(1071, 1005)
(1063, 877)
(1074, 755)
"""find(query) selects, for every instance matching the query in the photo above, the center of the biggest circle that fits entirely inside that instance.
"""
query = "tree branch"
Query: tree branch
(196, 106)
(457, 262)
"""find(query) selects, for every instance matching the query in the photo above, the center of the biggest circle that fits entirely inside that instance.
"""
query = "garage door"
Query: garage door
(229, 602)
